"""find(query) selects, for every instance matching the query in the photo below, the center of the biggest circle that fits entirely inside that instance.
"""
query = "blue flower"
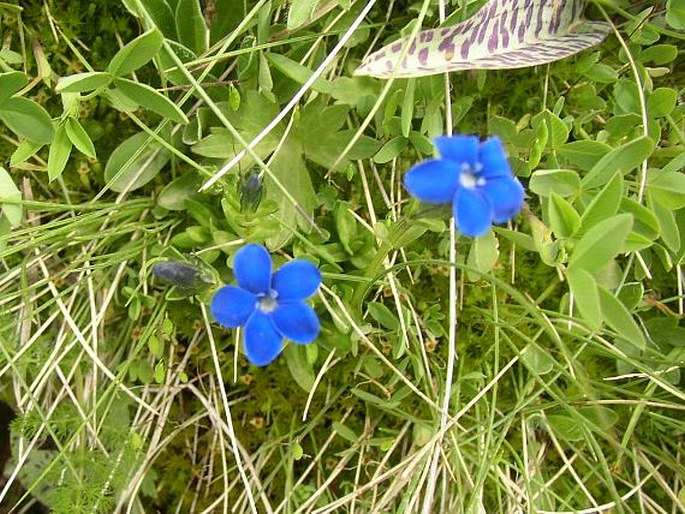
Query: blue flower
(476, 177)
(270, 307)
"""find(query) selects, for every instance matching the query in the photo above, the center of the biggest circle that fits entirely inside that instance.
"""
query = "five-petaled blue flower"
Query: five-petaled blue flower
(476, 177)
(270, 307)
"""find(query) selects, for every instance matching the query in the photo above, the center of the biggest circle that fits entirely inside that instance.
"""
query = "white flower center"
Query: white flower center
(468, 178)
(268, 302)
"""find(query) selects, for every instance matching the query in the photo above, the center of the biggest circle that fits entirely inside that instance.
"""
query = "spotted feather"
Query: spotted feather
(502, 34)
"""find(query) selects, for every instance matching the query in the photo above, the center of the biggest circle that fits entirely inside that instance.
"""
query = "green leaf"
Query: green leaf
(10, 83)
(8, 191)
(345, 432)
(79, 137)
(602, 73)
(566, 427)
(162, 16)
(623, 159)
(136, 54)
(135, 162)
(537, 360)
(185, 55)
(645, 221)
(661, 101)
(408, 107)
(5, 228)
(24, 151)
(473, 44)
(659, 54)
(82, 82)
(291, 171)
(191, 26)
(583, 286)
(391, 149)
(665, 332)
(583, 154)
(601, 243)
(300, 12)
(563, 218)
(297, 72)
(668, 226)
(156, 346)
(561, 182)
(483, 255)
(60, 150)
(27, 119)
(619, 318)
(175, 193)
(667, 188)
(675, 164)
(598, 417)
(675, 14)
(558, 131)
(149, 98)
(346, 226)
(603, 205)
(300, 369)
(383, 315)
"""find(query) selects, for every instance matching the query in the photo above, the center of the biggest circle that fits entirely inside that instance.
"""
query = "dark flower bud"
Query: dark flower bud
(251, 190)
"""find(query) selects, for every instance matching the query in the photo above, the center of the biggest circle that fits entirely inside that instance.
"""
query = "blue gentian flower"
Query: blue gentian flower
(476, 177)
(270, 307)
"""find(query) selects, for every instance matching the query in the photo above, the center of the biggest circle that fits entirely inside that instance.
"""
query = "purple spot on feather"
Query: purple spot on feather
(512, 24)
(388, 65)
(423, 56)
(522, 33)
(396, 48)
(447, 46)
(538, 27)
(503, 31)
(493, 9)
(444, 32)
(492, 40)
(482, 32)
(412, 48)
(465, 49)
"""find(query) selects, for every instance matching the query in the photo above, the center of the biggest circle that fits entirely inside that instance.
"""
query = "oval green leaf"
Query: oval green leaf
(82, 82)
(27, 119)
(601, 243)
(60, 150)
(79, 137)
(561, 182)
(9, 191)
(619, 318)
(583, 286)
(10, 83)
(136, 54)
(624, 158)
(135, 162)
(149, 98)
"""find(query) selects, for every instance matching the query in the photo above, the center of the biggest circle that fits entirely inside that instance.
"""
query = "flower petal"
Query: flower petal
(472, 212)
(505, 194)
(432, 181)
(263, 343)
(296, 280)
(493, 158)
(252, 268)
(297, 321)
(232, 306)
(460, 149)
